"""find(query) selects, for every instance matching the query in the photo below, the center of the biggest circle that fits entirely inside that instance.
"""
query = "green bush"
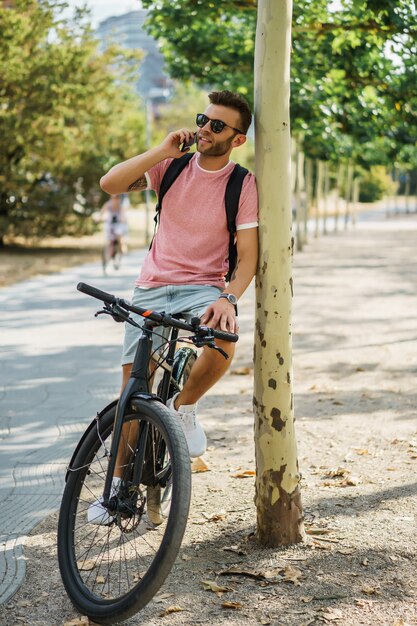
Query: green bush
(375, 184)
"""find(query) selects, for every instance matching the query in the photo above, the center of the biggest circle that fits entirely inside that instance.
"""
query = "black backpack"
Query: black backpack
(231, 198)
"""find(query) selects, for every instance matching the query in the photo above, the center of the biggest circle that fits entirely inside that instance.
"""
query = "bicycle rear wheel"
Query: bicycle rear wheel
(117, 254)
(111, 572)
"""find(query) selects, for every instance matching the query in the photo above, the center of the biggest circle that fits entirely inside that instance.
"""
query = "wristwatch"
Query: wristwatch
(230, 298)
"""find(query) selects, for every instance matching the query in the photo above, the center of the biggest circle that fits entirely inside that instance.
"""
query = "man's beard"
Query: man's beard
(219, 149)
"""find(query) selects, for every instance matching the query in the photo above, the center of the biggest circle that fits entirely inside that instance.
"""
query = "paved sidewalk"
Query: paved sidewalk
(355, 296)
(58, 366)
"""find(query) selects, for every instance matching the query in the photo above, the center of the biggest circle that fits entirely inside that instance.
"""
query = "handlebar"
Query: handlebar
(159, 318)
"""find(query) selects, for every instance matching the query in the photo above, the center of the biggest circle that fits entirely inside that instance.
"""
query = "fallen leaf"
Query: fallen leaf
(198, 466)
(244, 474)
(231, 605)
(241, 371)
(86, 566)
(365, 562)
(320, 546)
(235, 549)
(186, 557)
(210, 585)
(100, 580)
(215, 517)
(337, 473)
(171, 609)
(362, 452)
(369, 590)
(306, 599)
(292, 574)
(346, 551)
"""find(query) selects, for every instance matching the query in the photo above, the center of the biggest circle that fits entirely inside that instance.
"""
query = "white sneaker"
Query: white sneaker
(97, 513)
(193, 431)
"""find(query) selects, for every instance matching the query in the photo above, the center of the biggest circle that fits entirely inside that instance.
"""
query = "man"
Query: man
(184, 269)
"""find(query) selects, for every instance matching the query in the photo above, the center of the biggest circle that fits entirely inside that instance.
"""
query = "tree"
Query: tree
(278, 497)
(65, 116)
(344, 81)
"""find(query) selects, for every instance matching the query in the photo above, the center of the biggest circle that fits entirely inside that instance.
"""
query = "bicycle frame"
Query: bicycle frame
(138, 384)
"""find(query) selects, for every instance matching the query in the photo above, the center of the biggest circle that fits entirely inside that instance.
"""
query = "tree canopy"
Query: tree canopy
(352, 67)
(66, 114)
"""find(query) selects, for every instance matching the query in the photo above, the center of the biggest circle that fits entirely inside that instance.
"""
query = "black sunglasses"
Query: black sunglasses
(216, 125)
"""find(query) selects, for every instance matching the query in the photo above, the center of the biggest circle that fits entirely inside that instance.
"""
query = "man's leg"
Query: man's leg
(207, 370)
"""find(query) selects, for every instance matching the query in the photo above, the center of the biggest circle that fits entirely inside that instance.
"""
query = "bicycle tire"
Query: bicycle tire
(117, 254)
(116, 590)
(104, 259)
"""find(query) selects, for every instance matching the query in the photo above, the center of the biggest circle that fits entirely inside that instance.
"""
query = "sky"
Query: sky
(101, 9)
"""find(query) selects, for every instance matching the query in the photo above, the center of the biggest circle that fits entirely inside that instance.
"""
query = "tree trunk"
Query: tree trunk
(339, 181)
(348, 191)
(407, 192)
(355, 199)
(299, 205)
(278, 500)
(309, 195)
(326, 187)
(319, 190)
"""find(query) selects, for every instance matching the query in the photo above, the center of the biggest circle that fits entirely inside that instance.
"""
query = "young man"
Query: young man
(184, 269)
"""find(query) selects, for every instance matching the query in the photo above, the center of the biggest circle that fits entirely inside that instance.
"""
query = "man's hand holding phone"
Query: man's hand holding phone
(186, 145)
(177, 143)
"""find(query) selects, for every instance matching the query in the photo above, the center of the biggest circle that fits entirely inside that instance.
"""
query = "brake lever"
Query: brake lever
(208, 341)
(116, 312)
(222, 352)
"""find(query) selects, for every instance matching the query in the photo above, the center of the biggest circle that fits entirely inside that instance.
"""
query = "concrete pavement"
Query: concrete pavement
(58, 366)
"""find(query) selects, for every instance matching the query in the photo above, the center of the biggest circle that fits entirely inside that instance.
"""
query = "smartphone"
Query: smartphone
(187, 144)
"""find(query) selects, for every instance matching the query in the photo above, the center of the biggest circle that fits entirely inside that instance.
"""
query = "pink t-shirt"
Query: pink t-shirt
(191, 244)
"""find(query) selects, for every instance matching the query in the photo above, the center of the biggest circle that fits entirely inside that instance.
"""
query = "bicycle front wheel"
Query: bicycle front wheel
(113, 568)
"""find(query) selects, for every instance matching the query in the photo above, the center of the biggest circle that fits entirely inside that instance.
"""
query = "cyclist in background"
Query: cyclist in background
(113, 214)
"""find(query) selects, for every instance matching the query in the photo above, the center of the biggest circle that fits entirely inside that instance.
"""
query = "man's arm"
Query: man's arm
(221, 313)
(130, 175)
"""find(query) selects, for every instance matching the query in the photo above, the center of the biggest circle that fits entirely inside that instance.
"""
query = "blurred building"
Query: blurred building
(128, 30)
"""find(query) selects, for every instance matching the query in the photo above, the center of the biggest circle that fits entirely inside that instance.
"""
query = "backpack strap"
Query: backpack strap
(232, 197)
(173, 170)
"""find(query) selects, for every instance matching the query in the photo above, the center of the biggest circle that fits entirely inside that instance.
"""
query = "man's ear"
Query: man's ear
(239, 140)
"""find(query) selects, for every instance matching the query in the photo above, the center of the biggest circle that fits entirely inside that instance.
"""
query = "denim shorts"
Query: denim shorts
(189, 300)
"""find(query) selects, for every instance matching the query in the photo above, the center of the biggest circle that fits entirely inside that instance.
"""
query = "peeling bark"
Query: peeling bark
(281, 521)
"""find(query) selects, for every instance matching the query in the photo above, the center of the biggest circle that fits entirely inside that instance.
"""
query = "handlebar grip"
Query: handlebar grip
(220, 334)
(96, 293)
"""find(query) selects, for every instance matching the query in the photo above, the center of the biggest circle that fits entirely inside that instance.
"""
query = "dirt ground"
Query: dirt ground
(355, 361)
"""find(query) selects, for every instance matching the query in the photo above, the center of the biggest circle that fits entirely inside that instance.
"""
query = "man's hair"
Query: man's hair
(234, 101)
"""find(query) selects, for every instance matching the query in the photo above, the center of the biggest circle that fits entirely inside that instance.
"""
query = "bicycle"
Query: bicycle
(112, 571)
